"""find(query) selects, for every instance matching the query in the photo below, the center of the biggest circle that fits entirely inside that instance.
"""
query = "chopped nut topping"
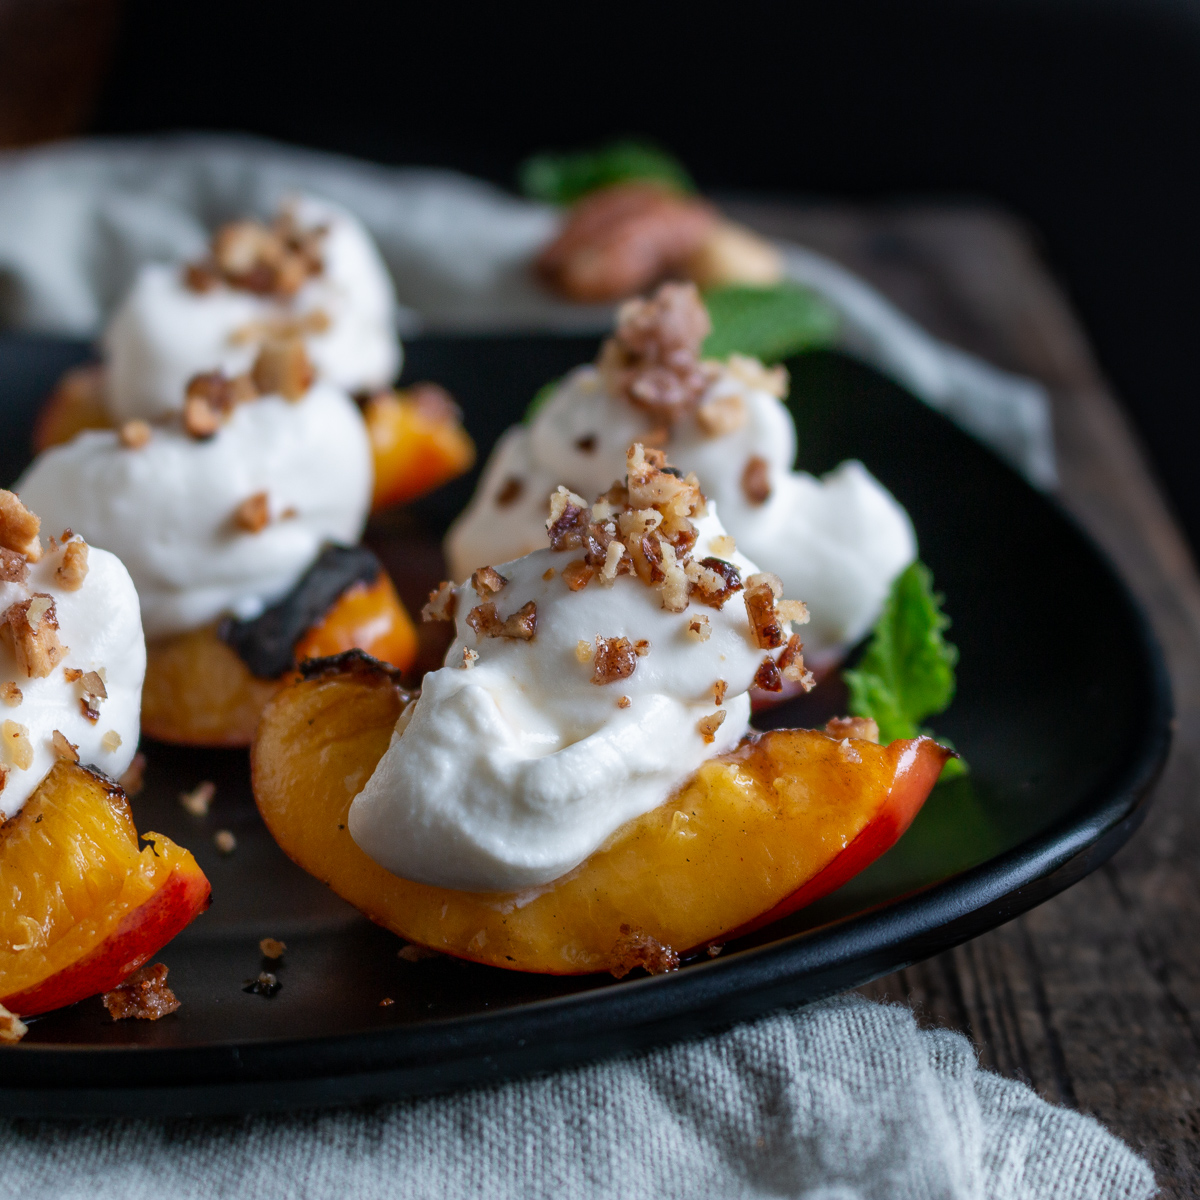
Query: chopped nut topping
(3, 777)
(72, 674)
(271, 948)
(713, 581)
(547, 574)
(487, 581)
(767, 678)
(510, 492)
(583, 651)
(11, 694)
(73, 569)
(14, 568)
(200, 419)
(30, 629)
(699, 628)
(386, 1002)
(316, 320)
(753, 374)
(577, 575)
(17, 746)
(283, 367)
(521, 625)
(12, 1028)
(94, 691)
(144, 996)
(762, 590)
(653, 359)
(469, 658)
(641, 647)
(863, 729)
(63, 748)
(624, 702)
(791, 665)
(708, 726)
(199, 799)
(224, 841)
(210, 398)
(442, 603)
(269, 260)
(613, 558)
(615, 659)
(266, 985)
(253, 515)
(134, 434)
(756, 480)
(111, 741)
(723, 546)
(721, 415)
(719, 689)
(133, 780)
(636, 948)
(19, 527)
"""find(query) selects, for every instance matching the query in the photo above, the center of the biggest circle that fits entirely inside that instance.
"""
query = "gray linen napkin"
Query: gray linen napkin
(77, 219)
(843, 1100)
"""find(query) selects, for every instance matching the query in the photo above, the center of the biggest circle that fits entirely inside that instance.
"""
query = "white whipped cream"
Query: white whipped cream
(163, 333)
(102, 630)
(166, 509)
(510, 773)
(837, 541)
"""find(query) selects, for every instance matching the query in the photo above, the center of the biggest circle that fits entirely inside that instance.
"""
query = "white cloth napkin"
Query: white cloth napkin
(77, 219)
(844, 1100)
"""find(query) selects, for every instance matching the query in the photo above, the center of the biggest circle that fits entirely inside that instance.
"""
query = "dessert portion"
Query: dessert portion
(577, 789)
(839, 541)
(221, 512)
(311, 278)
(81, 904)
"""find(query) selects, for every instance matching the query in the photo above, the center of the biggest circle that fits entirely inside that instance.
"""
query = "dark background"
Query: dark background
(1079, 115)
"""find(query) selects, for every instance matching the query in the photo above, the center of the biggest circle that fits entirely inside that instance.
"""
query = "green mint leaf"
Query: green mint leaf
(565, 178)
(768, 323)
(906, 673)
(540, 399)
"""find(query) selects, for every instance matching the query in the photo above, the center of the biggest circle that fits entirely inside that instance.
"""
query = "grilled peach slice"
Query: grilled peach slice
(81, 906)
(198, 691)
(417, 443)
(784, 819)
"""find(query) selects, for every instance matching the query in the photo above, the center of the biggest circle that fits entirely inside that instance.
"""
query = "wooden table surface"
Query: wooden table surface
(1094, 997)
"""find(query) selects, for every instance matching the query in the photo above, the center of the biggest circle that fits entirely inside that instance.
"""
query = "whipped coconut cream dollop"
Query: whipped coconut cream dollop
(838, 541)
(214, 525)
(315, 272)
(72, 660)
(585, 683)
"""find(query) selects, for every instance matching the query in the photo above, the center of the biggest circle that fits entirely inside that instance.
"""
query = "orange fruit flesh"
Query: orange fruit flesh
(414, 450)
(198, 692)
(81, 905)
(744, 833)
(76, 404)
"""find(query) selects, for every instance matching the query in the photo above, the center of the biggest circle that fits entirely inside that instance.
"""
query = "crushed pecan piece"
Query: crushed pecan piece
(762, 591)
(721, 415)
(198, 801)
(144, 996)
(510, 492)
(713, 581)
(283, 368)
(577, 575)
(93, 689)
(72, 571)
(622, 239)
(30, 629)
(756, 479)
(111, 741)
(12, 1028)
(487, 581)
(751, 372)
(224, 841)
(200, 419)
(253, 515)
(720, 688)
(64, 748)
(14, 567)
(699, 628)
(72, 674)
(653, 358)
(615, 659)
(469, 658)
(18, 748)
(624, 702)
(636, 948)
(271, 948)
(315, 321)
(134, 434)
(767, 678)
(10, 694)
(443, 602)
(708, 726)
(521, 625)
(791, 664)
(19, 527)
(864, 729)
(641, 647)
(269, 260)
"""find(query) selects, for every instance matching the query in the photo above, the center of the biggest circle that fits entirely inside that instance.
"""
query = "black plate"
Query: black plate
(1063, 711)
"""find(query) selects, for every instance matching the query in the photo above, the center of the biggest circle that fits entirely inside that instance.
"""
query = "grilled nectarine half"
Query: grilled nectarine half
(752, 835)
(82, 906)
(199, 692)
